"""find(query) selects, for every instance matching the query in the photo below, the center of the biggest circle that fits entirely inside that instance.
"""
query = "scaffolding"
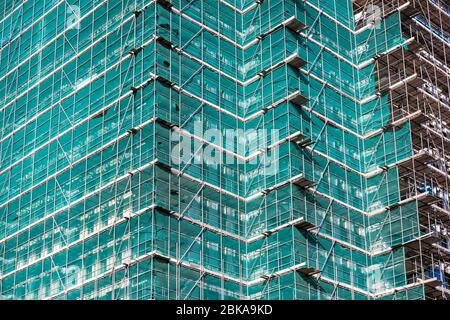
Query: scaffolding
(95, 204)
(415, 77)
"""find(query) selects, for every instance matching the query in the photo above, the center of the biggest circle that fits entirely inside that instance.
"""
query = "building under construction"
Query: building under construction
(95, 202)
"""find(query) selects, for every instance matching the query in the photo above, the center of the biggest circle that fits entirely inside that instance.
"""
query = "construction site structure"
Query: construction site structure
(335, 184)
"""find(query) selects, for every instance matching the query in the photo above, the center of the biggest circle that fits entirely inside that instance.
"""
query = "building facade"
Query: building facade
(226, 149)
